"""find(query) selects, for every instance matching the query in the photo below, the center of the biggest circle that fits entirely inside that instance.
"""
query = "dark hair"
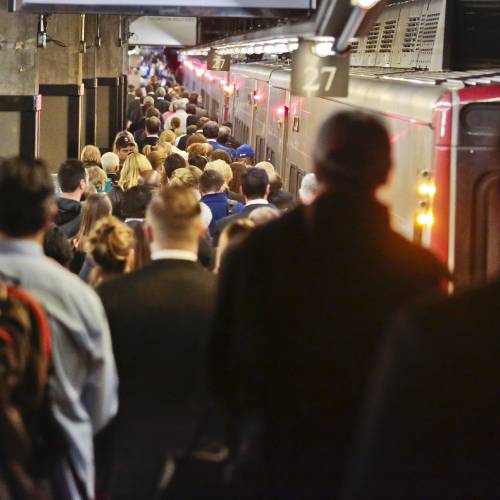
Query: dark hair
(57, 246)
(135, 201)
(211, 180)
(191, 109)
(223, 136)
(193, 98)
(198, 161)
(191, 129)
(25, 189)
(254, 182)
(211, 130)
(353, 152)
(71, 172)
(149, 88)
(192, 121)
(237, 169)
(220, 154)
(153, 125)
(173, 162)
(228, 124)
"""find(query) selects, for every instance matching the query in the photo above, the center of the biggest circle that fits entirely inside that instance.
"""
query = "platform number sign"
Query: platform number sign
(316, 76)
(217, 62)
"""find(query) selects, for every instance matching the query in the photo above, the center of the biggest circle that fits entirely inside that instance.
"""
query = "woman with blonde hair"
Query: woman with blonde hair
(97, 178)
(134, 172)
(169, 137)
(90, 156)
(94, 208)
(200, 148)
(111, 245)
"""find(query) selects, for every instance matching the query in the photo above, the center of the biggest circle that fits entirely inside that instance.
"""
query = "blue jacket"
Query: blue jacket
(216, 145)
(219, 206)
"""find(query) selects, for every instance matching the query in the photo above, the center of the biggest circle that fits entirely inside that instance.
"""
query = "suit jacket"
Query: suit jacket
(151, 140)
(159, 318)
(162, 105)
(431, 428)
(225, 221)
(301, 306)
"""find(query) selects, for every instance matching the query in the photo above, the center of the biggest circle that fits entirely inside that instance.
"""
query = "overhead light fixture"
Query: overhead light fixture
(364, 4)
(323, 49)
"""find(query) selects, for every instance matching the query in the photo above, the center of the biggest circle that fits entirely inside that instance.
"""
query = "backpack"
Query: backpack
(29, 437)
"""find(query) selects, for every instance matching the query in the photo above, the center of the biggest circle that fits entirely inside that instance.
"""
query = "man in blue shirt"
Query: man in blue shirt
(83, 381)
(211, 132)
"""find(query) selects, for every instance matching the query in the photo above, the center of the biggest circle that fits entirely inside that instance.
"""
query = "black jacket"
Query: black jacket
(116, 197)
(301, 305)
(225, 221)
(152, 140)
(68, 216)
(159, 318)
(432, 423)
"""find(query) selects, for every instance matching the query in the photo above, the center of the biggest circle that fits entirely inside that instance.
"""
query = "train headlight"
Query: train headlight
(425, 219)
(427, 189)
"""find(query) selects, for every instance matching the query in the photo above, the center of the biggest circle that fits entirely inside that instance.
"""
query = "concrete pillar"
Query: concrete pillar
(19, 103)
(110, 71)
(60, 77)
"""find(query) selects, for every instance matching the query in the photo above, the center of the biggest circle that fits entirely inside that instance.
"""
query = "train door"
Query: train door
(277, 124)
(243, 112)
(477, 191)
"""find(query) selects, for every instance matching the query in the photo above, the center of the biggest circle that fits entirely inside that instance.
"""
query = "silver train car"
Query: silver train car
(445, 187)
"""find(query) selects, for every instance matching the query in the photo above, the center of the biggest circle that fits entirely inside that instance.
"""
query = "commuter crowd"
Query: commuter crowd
(196, 332)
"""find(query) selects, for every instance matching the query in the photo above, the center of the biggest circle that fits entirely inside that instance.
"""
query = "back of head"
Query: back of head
(219, 154)
(57, 246)
(90, 155)
(192, 121)
(135, 202)
(200, 148)
(224, 133)
(95, 207)
(134, 166)
(110, 162)
(110, 243)
(191, 110)
(149, 101)
(198, 161)
(244, 151)
(193, 98)
(179, 105)
(26, 193)
(160, 92)
(97, 177)
(175, 217)
(196, 139)
(70, 175)
(202, 122)
(153, 112)
(269, 168)
(184, 177)
(168, 136)
(175, 122)
(211, 130)
(263, 215)
(309, 188)
(353, 152)
(254, 183)
(156, 157)
(153, 125)
(222, 167)
(211, 181)
(173, 162)
(191, 129)
(237, 168)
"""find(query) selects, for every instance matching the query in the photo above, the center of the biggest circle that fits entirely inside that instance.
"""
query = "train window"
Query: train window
(203, 95)
(481, 118)
(215, 109)
(292, 181)
(260, 152)
(272, 157)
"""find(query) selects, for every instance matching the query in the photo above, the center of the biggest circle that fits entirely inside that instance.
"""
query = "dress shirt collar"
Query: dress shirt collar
(20, 247)
(174, 254)
(258, 201)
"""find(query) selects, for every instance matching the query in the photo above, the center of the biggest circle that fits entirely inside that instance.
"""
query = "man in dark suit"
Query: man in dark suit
(255, 188)
(432, 424)
(159, 318)
(161, 102)
(301, 306)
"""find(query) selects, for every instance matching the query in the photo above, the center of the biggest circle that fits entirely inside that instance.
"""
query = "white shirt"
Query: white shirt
(257, 201)
(174, 254)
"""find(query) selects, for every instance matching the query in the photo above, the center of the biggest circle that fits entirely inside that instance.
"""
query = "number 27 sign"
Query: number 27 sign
(316, 76)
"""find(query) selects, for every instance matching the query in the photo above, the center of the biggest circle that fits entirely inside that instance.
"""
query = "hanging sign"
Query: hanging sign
(216, 62)
(318, 76)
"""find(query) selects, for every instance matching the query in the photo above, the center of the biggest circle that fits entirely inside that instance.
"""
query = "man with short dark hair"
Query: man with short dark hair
(211, 132)
(226, 139)
(83, 381)
(172, 163)
(123, 147)
(303, 302)
(159, 318)
(179, 111)
(152, 130)
(161, 102)
(255, 189)
(73, 179)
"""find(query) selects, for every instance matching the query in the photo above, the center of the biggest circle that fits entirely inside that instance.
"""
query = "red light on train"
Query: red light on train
(257, 97)
(282, 111)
